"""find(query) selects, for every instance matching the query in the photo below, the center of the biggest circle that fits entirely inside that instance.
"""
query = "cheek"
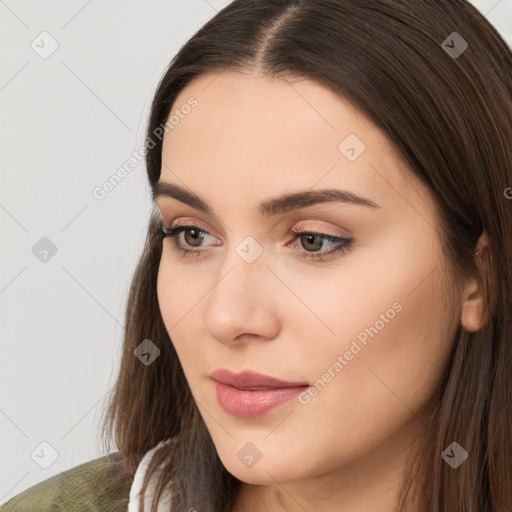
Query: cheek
(176, 298)
(165, 290)
(390, 334)
(375, 393)
(384, 307)
(178, 291)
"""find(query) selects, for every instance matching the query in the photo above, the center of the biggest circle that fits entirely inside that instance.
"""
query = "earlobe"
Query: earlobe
(472, 314)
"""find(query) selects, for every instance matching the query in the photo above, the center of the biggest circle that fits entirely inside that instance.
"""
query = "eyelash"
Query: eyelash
(344, 244)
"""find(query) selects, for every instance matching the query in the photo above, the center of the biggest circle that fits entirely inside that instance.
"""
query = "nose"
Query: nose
(243, 303)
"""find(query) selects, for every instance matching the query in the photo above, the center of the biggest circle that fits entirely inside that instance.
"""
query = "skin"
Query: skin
(251, 138)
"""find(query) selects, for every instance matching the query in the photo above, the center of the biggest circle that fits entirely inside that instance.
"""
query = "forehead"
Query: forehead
(254, 109)
(262, 134)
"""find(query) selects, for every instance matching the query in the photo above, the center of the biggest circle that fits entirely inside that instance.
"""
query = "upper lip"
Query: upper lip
(250, 379)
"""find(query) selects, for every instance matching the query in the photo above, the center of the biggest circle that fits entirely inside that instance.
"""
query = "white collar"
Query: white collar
(164, 503)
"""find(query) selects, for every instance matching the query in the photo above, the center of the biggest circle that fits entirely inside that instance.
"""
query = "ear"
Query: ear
(473, 314)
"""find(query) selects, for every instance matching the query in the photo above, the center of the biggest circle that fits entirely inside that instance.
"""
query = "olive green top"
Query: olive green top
(99, 485)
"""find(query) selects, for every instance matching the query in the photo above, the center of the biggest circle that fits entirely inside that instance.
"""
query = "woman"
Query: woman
(321, 317)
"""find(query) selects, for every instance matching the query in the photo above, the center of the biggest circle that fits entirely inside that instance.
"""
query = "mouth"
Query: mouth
(251, 381)
(250, 394)
(253, 389)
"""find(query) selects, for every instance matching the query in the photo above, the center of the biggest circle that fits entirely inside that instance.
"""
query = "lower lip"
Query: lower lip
(248, 404)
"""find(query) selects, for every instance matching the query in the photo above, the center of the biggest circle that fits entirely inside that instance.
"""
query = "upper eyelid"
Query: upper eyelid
(188, 225)
(319, 230)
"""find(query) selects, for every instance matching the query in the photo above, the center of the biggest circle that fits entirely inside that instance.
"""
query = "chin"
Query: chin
(254, 476)
(262, 472)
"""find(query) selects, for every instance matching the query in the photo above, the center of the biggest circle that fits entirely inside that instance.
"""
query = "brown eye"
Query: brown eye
(196, 237)
(193, 236)
(311, 242)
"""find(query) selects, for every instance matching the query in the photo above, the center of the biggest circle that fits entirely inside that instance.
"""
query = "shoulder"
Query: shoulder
(98, 485)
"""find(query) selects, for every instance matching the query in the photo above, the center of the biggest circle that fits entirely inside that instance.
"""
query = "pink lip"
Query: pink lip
(235, 399)
(250, 379)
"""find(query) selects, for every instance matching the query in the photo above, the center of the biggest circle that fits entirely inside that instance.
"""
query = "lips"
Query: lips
(249, 380)
(249, 394)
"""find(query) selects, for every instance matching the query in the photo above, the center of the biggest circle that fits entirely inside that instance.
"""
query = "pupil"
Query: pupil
(194, 233)
(312, 239)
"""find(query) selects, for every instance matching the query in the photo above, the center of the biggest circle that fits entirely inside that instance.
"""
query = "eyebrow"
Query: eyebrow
(271, 207)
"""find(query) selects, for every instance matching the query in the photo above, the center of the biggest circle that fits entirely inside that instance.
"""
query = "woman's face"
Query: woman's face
(369, 328)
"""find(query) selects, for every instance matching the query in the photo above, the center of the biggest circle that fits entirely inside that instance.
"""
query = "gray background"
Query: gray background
(68, 122)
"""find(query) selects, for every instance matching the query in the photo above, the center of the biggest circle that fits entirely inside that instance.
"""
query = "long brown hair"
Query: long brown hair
(450, 117)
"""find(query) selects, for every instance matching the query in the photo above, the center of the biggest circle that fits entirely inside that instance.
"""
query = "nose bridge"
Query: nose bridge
(239, 301)
(242, 273)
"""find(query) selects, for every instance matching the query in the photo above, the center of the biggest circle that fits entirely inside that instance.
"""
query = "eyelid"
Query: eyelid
(318, 230)
(305, 228)
(189, 224)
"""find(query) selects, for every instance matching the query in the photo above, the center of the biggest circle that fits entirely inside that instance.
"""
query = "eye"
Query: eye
(315, 241)
(197, 235)
(312, 241)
